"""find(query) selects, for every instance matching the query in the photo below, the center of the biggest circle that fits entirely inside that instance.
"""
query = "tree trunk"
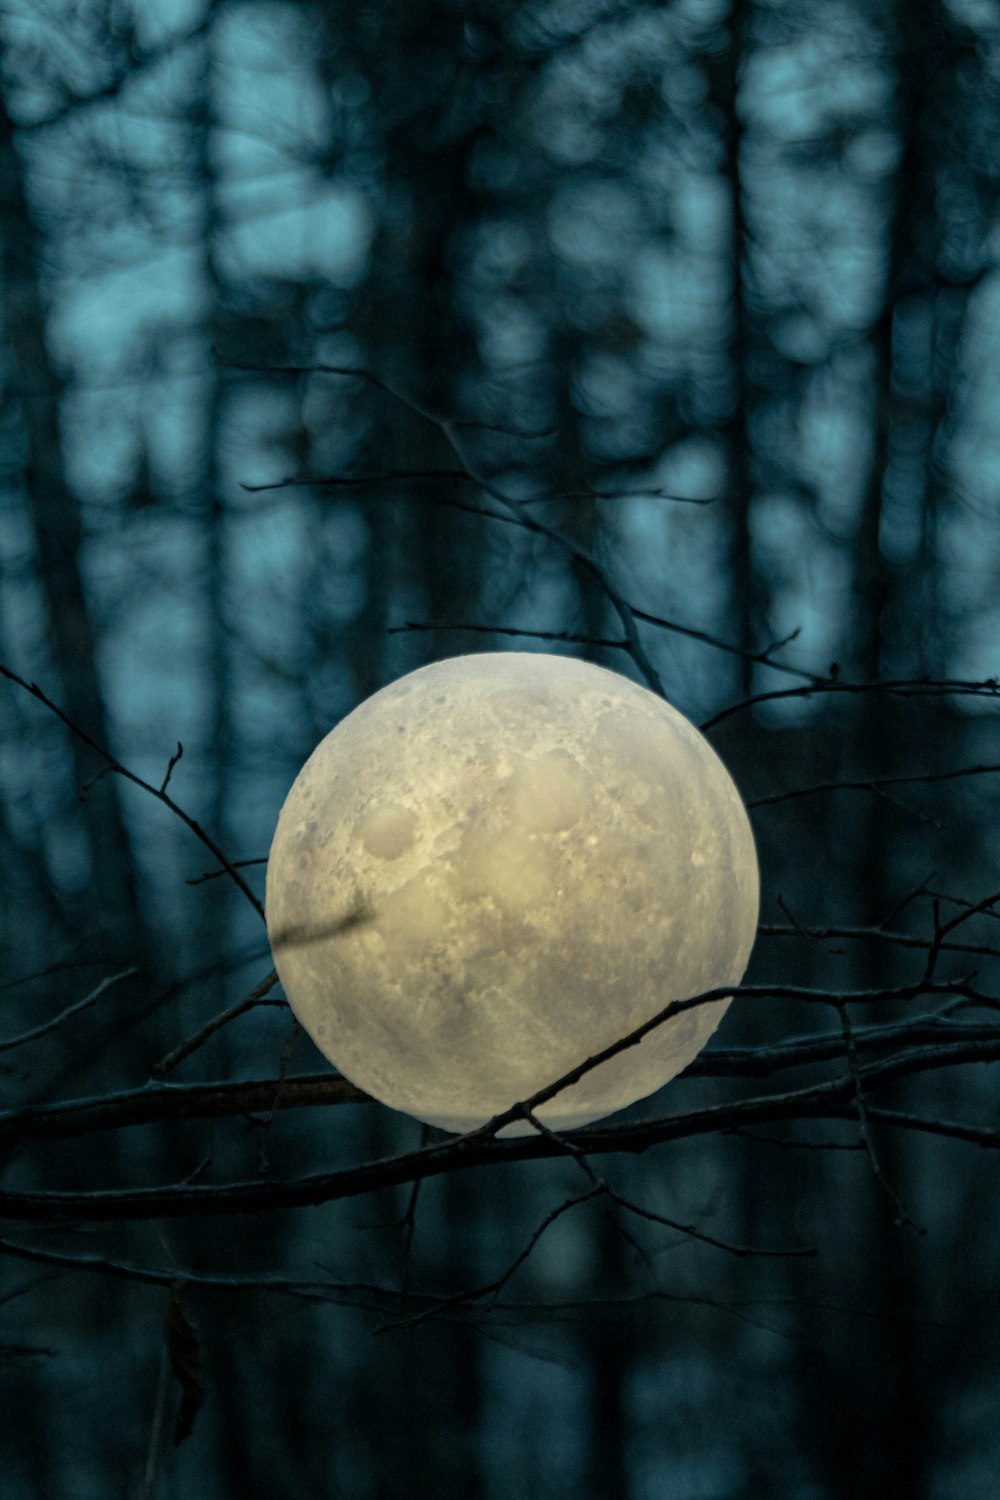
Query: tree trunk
(57, 529)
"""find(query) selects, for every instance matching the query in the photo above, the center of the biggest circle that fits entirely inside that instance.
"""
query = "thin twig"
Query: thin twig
(904, 687)
(873, 934)
(238, 864)
(157, 1427)
(492, 1289)
(257, 996)
(352, 481)
(357, 1293)
(408, 1223)
(874, 783)
(61, 966)
(280, 1081)
(64, 1015)
(115, 767)
(902, 1215)
(516, 509)
(627, 1204)
(707, 639)
(411, 626)
(170, 767)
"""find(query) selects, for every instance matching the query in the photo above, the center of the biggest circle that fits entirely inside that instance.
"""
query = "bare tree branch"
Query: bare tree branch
(904, 687)
(492, 1289)
(64, 1015)
(567, 636)
(864, 1134)
(834, 1098)
(515, 508)
(257, 996)
(115, 767)
(873, 784)
(150, 1106)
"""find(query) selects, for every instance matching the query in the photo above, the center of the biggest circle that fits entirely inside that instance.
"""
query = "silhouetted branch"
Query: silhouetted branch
(115, 767)
(171, 763)
(238, 864)
(64, 1015)
(367, 1293)
(651, 493)
(873, 934)
(240, 1007)
(514, 508)
(904, 687)
(354, 481)
(535, 635)
(874, 784)
(149, 1106)
(864, 1134)
(77, 1117)
(834, 1098)
(691, 1231)
(492, 1289)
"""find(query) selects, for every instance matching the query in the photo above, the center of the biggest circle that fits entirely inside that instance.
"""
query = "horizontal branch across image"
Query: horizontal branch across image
(835, 1099)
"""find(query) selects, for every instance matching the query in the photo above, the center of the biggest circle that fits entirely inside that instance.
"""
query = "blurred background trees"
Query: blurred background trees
(719, 286)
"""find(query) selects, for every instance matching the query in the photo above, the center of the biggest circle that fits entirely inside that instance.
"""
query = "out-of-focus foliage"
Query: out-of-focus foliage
(743, 256)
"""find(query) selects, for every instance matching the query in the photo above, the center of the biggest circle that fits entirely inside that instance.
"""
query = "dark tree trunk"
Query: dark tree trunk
(112, 902)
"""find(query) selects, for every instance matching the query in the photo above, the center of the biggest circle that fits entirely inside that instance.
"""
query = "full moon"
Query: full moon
(497, 866)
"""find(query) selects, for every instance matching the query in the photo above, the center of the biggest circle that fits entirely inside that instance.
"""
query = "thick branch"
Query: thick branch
(74, 1118)
(834, 1099)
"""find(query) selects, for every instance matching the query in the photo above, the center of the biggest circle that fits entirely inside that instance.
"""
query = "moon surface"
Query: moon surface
(498, 865)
